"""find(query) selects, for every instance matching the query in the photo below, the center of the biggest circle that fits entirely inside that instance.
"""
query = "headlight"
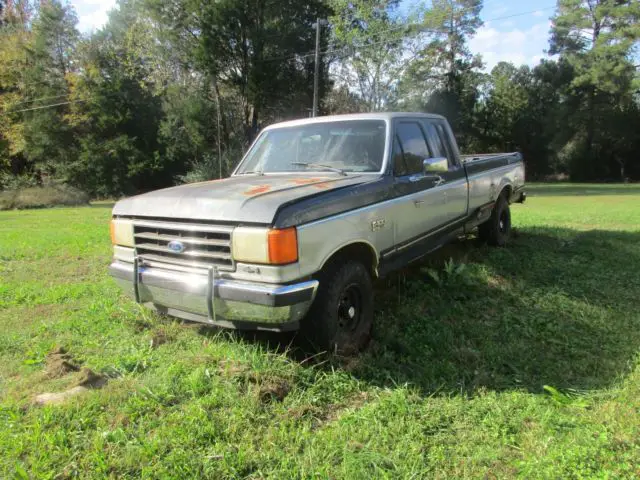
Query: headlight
(122, 233)
(266, 246)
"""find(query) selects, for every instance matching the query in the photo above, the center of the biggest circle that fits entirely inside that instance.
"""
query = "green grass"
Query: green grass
(452, 386)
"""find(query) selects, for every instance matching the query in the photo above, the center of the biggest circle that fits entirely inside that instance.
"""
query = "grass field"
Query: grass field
(524, 362)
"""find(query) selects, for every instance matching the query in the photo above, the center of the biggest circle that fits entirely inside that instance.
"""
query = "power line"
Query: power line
(41, 98)
(419, 26)
(444, 16)
(44, 106)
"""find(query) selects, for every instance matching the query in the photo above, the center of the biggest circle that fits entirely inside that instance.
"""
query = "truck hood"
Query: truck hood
(242, 199)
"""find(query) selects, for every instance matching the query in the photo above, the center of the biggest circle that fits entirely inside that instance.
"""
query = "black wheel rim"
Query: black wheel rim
(349, 308)
(503, 222)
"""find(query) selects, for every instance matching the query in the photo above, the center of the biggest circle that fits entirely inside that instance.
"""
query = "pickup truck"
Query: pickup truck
(315, 211)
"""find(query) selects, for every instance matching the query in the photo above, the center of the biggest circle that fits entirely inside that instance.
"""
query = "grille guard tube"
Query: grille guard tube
(210, 299)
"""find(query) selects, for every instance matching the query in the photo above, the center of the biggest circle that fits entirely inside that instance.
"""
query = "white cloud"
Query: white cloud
(536, 59)
(92, 14)
(520, 46)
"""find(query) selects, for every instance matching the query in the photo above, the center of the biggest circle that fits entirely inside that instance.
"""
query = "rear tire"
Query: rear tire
(340, 319)
(497, 230)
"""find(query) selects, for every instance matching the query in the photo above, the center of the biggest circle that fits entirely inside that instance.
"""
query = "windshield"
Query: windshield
(347, 146)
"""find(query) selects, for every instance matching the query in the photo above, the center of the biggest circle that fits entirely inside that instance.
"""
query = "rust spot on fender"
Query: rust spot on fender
(322, 186)
(258, 190)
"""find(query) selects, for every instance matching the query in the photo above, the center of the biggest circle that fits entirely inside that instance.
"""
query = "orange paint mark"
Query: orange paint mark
(257, 190)
(322, 186)
(305, 181)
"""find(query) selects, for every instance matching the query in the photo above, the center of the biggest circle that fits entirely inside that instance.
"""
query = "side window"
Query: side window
(436, 142)
(399, 166)
(413, 145)
(444, 137)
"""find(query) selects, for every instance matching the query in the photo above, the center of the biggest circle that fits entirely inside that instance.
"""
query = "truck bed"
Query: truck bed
(506, 158)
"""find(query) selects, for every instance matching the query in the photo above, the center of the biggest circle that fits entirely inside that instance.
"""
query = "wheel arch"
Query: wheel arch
(359, 249)
(507, 191)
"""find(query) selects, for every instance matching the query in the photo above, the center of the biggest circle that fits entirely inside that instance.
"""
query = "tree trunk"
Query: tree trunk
(591, 106)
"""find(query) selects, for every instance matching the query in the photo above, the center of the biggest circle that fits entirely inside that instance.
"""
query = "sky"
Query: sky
(507, 34)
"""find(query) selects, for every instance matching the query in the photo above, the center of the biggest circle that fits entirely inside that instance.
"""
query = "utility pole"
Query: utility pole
(316, 75)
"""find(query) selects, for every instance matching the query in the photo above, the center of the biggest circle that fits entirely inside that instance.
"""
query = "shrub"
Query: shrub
(208, 167)
(42, 197)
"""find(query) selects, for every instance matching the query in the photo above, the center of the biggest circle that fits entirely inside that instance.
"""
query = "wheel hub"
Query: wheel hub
(502, 224)
(349, 308)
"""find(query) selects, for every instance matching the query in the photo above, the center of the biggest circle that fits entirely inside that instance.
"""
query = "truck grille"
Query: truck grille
(184, 244)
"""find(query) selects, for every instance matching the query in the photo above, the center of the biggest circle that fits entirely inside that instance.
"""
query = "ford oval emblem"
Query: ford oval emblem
(176, 247)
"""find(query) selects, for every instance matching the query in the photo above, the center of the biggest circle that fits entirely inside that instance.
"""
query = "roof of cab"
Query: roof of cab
(386, 116)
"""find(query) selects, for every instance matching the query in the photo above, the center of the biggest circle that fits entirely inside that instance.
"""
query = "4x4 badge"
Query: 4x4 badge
(378, 224)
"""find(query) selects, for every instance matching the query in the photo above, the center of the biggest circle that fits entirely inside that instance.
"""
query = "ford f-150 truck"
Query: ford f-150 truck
(316, 211)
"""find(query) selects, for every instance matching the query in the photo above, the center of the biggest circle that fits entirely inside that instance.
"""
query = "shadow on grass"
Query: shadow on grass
(557, 307)
(587, 189)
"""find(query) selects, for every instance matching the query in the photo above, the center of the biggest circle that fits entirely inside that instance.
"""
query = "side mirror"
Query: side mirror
(435, 165)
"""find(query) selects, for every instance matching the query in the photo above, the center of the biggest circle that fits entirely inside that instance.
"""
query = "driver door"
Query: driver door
(421, 201)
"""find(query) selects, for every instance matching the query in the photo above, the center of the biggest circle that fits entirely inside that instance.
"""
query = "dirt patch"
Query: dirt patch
(160, 337)
(89, 379)
(320, 416)
(274, 390)
(60, 397)
(354, 402)
(307, 412)
(232, 368)
(59, 363)
(140, 325)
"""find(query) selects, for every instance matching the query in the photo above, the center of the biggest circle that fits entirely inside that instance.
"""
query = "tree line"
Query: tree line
(172, 91)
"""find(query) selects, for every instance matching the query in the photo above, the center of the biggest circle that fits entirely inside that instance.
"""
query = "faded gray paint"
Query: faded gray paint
(332, 211)
(246, 199)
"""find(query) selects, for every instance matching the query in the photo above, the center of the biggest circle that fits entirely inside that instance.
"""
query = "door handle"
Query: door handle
(417, 203)
(437, 180)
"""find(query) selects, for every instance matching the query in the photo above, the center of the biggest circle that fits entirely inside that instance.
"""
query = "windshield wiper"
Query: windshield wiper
(254, 172)
(319, 165)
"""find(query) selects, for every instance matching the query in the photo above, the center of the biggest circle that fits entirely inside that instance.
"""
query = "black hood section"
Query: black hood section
(334, 202)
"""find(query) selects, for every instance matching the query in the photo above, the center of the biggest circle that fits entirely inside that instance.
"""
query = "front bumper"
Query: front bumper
(202, 297)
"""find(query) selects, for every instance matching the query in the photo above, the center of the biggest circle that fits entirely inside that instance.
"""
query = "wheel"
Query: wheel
(340, 319)
(497, 230)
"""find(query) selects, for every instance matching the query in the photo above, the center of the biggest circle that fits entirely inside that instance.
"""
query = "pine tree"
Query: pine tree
(445, 77)
(596, 38)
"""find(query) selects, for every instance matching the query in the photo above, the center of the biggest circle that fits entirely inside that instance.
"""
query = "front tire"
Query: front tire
(341, 317)
(497, 230)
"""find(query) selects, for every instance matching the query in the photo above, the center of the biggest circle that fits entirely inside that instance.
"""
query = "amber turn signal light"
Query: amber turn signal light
(283, 246)
(112, 230)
